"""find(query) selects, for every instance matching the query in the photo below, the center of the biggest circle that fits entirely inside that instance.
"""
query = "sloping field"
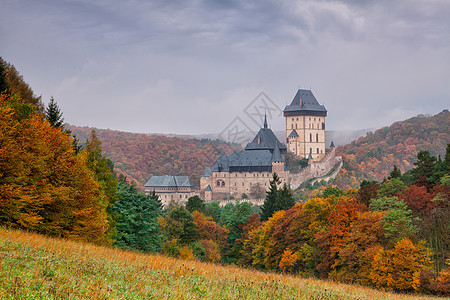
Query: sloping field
(33, 266)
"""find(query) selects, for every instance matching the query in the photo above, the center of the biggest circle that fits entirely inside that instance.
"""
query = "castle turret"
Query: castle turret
(305, 126)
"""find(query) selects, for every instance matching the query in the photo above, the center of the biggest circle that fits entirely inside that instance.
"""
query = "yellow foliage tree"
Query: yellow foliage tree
(263, 255)
(186, 253)
(399, 268)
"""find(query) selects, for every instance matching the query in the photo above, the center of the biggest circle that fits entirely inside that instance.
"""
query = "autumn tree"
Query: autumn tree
(362, 243)
(44, 186)
(399, 268)
(103, 169)
(212, 236)
(332, 240)
(263, 254)
(17, 86)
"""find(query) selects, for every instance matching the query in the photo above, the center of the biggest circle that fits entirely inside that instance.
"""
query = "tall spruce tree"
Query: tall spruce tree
(285, 199)
(3, 83)
(53, 114)
(270, 203)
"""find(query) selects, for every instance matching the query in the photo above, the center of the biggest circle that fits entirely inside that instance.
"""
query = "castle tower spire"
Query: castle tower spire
(265, 120)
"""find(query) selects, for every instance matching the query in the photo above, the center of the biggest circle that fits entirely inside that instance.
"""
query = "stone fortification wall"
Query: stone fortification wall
(315, 169)
(222, 203)
(332, 175)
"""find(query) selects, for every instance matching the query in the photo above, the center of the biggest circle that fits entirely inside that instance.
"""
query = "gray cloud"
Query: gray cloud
(192, 66)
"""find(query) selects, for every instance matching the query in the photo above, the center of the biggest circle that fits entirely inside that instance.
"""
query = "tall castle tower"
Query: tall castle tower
(305, 126)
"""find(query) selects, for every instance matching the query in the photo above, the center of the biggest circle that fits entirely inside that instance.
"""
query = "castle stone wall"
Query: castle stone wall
(315, 169)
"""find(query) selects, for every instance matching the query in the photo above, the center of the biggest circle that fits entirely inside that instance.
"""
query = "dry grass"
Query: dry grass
(33, 266)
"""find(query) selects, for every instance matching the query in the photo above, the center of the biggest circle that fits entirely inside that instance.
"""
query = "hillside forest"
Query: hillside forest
(392, 233)
(140, 156)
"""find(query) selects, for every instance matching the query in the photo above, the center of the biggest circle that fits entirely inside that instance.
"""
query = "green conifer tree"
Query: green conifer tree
(3, 83)
(395, 173)
(269, 206)
(285, 199)
(53, 114)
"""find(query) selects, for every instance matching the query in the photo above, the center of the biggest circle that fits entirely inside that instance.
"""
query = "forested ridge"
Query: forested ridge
(372, 157)
(140, 156)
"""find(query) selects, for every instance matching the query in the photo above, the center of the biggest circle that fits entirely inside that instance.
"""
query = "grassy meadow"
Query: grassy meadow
(33, 266)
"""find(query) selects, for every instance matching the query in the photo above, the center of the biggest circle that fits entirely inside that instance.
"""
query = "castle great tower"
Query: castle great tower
(305, 126)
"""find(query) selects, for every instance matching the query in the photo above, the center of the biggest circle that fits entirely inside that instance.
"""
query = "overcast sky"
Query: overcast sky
(192, 67)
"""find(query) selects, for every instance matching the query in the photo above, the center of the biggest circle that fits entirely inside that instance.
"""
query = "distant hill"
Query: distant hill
(373, 156)
(339, 137)
(140, 156)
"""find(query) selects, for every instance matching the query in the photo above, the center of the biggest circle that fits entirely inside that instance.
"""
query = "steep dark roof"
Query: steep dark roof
(169, 181)
(265, 140)
(276, 156)
(293, 133)
(208, 189)
(332, 145)
(255, 158)
(207, 172)
(304, 102)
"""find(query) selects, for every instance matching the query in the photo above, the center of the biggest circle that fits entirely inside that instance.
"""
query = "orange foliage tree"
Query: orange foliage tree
(399, 268)
(44, 186)
(213, 237)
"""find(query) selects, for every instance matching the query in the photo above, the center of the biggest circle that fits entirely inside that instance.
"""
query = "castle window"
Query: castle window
(314, 119)
(292, 119)
(218, 183)
(295, 126)
(317, 137)
(317, 150)
(181, 196)
(310, 150)
(310, 137)
(297, 119)
(223, 182)
(323, 125)
(242, 184)
(292, 126)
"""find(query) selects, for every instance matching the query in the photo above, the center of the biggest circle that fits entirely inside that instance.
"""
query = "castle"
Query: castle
(249, 171)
